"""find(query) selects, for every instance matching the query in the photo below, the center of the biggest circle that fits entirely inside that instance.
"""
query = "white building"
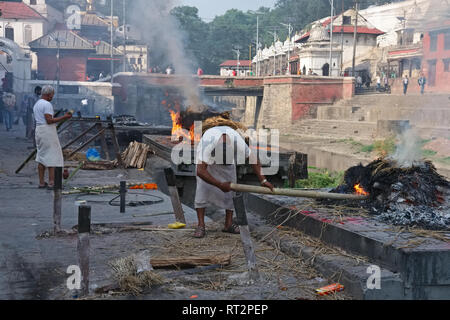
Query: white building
(242, 68)
(14, 60)
(314, 56)
(23, 22)
(137, 57)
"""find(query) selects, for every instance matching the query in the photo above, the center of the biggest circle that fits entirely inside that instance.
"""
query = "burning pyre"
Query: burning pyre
(415, 195)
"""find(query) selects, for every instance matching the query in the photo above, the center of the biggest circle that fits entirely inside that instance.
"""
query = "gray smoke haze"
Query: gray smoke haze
(408, 149)
(163, 34)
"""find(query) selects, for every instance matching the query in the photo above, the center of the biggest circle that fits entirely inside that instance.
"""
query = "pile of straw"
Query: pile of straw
(130, 280)
(222, 120)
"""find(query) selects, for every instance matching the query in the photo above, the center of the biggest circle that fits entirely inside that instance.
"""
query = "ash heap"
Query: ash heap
(411, 196)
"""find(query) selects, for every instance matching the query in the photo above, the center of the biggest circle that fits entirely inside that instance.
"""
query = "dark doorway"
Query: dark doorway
(431, 72)
(9, 33)
(326, 69)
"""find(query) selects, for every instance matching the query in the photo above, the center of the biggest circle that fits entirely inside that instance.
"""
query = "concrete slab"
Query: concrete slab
(422, 265)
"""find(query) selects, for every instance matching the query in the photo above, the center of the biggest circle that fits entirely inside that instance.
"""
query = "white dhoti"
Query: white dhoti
(49, 152)
(207, 194)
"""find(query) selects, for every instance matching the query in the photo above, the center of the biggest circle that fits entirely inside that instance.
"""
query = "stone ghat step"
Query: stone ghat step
(339, 129)
(422, 263)
(431, 100)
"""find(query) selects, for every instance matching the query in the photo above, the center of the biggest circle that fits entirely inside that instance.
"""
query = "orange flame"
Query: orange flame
(178, 131)
(359, 190)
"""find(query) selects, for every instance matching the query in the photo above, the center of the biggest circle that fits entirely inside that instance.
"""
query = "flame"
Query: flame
(359, 190)
(178, 131)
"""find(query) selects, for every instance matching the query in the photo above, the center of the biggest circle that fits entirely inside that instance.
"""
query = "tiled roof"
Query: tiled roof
(18, 10)
(68, 40)
(346, 29)
(233, 63)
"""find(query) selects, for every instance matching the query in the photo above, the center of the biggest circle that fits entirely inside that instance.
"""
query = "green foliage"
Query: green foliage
(384, 147)
(367, 148)
(445, 160)
(428, 153)
(320, 178)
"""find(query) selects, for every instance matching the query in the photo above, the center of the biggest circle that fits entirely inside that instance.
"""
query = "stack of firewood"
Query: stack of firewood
(135, 156)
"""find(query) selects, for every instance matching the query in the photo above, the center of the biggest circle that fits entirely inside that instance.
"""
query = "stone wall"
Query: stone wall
(291, 98)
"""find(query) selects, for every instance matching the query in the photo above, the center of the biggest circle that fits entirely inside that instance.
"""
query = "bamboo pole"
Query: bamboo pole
(296, 193)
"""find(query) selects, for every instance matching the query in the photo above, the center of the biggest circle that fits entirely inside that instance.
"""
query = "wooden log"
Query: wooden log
(296, 193)
(190, 261)
(174, 196)
(246, 239)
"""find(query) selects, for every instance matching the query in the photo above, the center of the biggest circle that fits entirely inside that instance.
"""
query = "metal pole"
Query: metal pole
(124, 38)
(331, 39)
(257, 45)
(58, 75)
(238, 52)
(112, 42)
(57, 200)
(122, 191)
(342, 39)
(84, 228)
(354, 38)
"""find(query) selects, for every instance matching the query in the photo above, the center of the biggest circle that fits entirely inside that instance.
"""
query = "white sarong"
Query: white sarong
(207, 194)
(49, 152)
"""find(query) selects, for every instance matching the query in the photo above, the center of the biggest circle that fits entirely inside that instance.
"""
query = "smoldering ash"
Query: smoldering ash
(162, 32)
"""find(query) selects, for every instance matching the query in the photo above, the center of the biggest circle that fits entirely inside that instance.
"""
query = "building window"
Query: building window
(33, 2)
(133, 60)
(28, 34)
(446, 65)
(447, 40)
(346, 20)
(433, 42)
(9, 33)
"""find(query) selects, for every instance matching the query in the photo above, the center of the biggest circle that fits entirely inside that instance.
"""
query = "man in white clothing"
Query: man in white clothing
(49, 153)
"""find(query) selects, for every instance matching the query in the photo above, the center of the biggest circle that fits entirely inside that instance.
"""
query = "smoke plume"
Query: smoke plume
(408, 148)
(162, 32)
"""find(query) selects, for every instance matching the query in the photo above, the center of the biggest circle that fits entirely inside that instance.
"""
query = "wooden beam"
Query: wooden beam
(190, 261)
(296, 193)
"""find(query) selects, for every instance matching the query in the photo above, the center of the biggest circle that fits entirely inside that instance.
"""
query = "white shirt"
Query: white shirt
(210, 140)
(40, 108)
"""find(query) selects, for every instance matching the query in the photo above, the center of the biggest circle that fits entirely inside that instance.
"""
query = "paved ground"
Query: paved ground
(33, 265)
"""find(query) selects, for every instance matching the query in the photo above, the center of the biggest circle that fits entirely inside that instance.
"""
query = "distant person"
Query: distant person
(386, 82)
(310, 72)
(49, 153)
(169, 70)
(378, 79)
(199, 71)
(101, 75)
(234, 73)
(405, 81)
(359, 81)
(2, 107)
(422, 81)
(9, 102)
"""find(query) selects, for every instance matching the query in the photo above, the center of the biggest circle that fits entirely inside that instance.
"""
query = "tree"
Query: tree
(196, 31)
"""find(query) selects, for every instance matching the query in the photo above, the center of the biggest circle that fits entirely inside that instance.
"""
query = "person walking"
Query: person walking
(386, 82)
(422, 81)
(378, 79)
(405, 84)
(359, 81)
(49, 153)
(9, 102)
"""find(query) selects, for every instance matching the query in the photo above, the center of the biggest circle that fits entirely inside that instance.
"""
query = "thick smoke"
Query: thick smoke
(161, 31)
(408, 148)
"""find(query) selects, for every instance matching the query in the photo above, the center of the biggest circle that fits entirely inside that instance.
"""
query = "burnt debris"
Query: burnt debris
(415, 195)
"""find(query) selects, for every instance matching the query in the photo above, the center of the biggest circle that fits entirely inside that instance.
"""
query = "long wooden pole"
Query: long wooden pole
(296, 193)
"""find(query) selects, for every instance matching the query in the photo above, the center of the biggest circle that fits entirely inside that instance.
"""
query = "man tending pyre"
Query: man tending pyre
(219, 150)
(49, 152)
